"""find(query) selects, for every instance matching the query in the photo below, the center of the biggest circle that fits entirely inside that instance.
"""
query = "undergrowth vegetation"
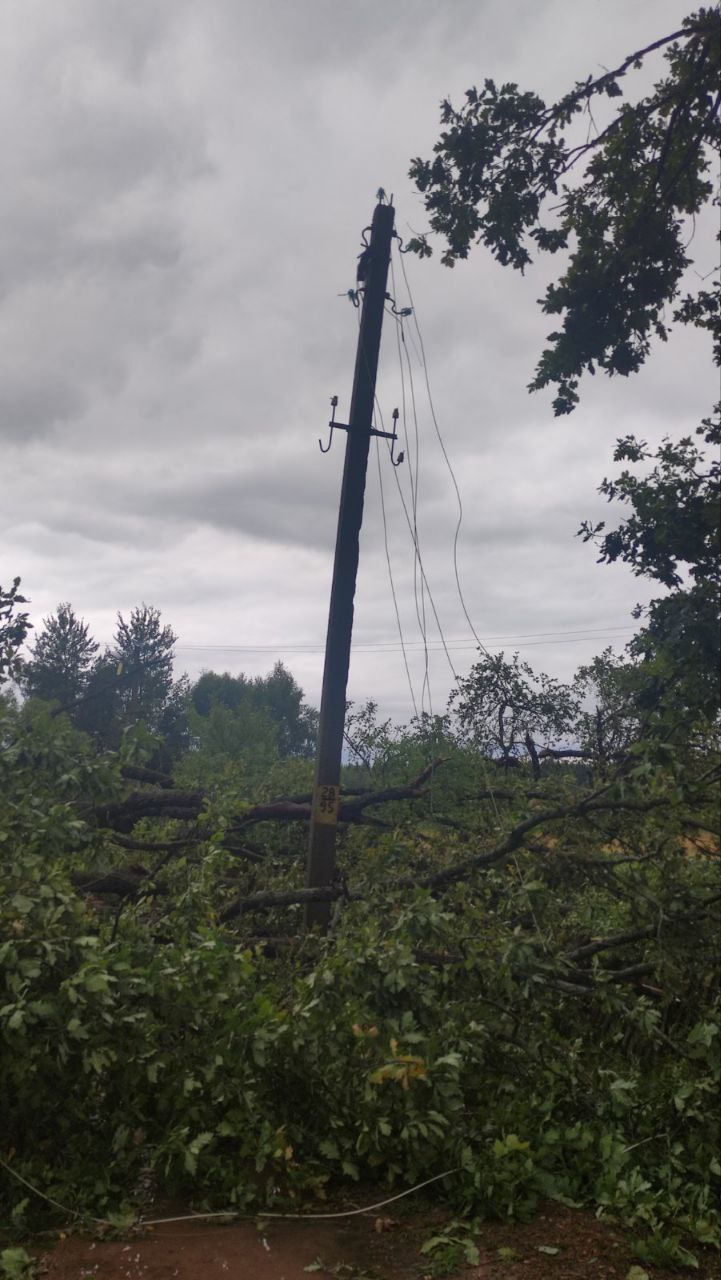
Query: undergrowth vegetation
(517, 988)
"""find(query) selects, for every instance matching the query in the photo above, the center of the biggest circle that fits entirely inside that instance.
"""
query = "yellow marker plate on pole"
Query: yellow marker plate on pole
(325, 806)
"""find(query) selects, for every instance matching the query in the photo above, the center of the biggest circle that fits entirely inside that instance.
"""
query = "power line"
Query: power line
(419, 614)
(441, 442)
(413, 481)
(575, 634)
(390, 579)
(376, 410)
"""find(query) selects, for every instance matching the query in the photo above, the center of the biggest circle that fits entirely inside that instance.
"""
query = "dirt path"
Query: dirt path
(560, 1244)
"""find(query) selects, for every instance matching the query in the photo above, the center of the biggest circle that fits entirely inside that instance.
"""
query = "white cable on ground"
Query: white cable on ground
(345, 1213)
(74, 1213)
(228, 1213)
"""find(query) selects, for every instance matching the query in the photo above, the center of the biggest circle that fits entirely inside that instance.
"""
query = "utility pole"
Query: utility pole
(373, 271)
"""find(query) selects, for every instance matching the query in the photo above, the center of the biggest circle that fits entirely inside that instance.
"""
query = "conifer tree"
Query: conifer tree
(62, 658)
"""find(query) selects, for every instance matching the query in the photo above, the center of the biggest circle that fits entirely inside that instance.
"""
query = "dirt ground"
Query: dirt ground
(560, 1244)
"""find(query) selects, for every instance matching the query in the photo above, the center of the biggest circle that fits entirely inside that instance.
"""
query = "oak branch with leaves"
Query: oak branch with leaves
(620, 204)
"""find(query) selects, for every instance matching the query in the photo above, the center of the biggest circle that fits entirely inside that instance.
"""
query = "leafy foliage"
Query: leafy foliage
(16, 1264)
(277, 698)
(674, 522)
(672, 537)
(518, 986)
(488, 1026)
(499, 177)
(502, 703)
(14, 628)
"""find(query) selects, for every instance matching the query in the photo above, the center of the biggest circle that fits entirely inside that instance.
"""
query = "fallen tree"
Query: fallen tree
(189, 805)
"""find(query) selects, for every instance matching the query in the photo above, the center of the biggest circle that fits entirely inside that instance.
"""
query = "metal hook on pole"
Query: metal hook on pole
(331, 424)
(394, 440)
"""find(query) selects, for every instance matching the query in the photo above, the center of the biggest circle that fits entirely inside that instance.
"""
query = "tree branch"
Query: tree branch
(123, 815)
(264, 901)
(138, 773)
(618, 940)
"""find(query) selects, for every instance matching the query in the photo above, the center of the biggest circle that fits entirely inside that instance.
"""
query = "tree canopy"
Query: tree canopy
(507, 174)
(277, 696)
(504, 707)
(14, 627)
(61, 657)
(519, 985)
(672, 536)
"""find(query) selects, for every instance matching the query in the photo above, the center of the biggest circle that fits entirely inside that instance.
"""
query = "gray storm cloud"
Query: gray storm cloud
(184, 192)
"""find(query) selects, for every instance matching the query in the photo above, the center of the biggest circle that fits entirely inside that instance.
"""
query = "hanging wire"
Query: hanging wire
(414, 487)
(414, 539)
(451, 472)
(422, 357)
(390, 579)
(377, 411)
(413, 480)
(422, 570)
(419, 603)
(425, 579)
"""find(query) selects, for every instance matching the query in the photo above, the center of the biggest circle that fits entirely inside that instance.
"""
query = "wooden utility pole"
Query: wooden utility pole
(326, 792)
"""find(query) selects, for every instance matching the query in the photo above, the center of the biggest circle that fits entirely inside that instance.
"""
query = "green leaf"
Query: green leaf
(329, 1149)
(16, 1264)
(21, 904)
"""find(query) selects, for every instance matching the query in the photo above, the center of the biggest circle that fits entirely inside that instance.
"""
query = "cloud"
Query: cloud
(185, 187)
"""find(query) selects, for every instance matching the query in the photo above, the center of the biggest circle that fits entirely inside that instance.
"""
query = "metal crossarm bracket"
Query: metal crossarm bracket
(343, 426)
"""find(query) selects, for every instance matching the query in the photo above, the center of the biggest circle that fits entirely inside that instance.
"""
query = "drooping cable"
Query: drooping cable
(413, 461)
(420, 563)
(388, 555)
(414, 482)
(447, 460)
(379, 412)
(419, 608)
(392, 584)
(454, 481)
(414, 536)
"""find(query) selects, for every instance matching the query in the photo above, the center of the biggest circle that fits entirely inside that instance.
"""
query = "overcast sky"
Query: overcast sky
(184, 189)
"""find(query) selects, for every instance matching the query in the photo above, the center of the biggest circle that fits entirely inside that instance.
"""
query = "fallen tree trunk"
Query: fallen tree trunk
(123, 815)
(139, 773)
(125, 882)
(188, 805)
(352, 806)
(264, 901)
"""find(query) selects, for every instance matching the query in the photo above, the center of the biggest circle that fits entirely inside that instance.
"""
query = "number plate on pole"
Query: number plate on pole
(326, 805)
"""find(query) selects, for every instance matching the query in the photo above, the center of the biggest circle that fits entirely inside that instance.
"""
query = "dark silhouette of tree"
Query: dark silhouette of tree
(278, 695)
(62, 658)
(507, 709)
(132, 683)
(97, 712)
(225, 690)
(14, 628)
(282, 697)
(672, 536)
(499, 179)
(143, 653)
